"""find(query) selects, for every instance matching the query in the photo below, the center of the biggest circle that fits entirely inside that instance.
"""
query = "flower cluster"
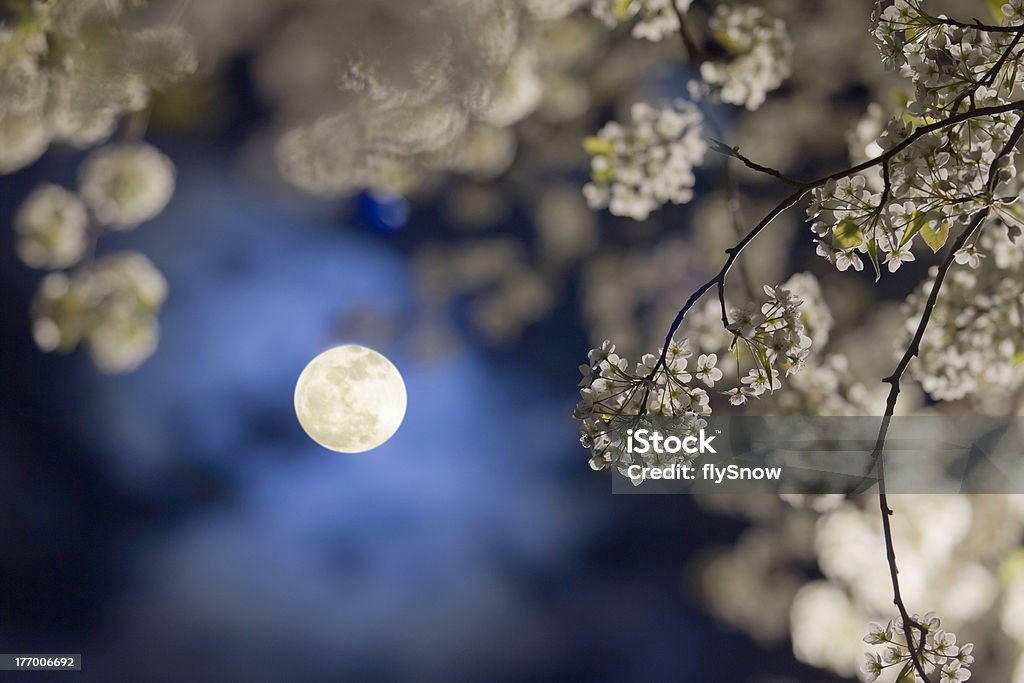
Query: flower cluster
(952, 66)
(938, 182)
(614, 396)
(759, 52)
(940, 652)
(111, 305)
(655, 18)
(975, 342)
(949, 174)
(68, 71)
(637, 168)
(774, 336)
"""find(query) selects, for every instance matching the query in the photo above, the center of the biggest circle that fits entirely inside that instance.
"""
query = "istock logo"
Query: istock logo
(645, 441)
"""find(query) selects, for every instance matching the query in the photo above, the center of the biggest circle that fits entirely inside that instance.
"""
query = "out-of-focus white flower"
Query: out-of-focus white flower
(23, 139)
(518, 92)
(51, 225)
(111, 305)
(826, 628)
(639, 167)
(126, 184)
(655, 18)
(759, 54)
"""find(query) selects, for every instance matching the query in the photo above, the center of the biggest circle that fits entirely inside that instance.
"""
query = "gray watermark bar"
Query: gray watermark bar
(41, 662)
(817, 455)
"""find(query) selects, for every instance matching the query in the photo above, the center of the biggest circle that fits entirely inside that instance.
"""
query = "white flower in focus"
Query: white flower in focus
(846, 258)
(969, 256)
(878, 634)
(896, 256)
(51, 225)
(706, 370)
(954, 672)
(127, 184)
(737, 396)
(872, 668)
(758, 382)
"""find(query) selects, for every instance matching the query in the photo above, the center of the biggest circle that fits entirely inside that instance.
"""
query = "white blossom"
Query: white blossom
(126, 184)
(655, 19)
(110, 305)
(614, 397)
(51, 225)
(759, 52)
(639, 167)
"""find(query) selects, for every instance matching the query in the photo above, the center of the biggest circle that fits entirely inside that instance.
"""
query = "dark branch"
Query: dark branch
(975, 24)
(893, 380)
(695, 53)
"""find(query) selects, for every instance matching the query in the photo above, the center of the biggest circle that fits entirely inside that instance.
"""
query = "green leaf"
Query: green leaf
(722, 148)
(846, 235)
(873, 253)
(918, 221)
(906, 674)
(935, 236)
(597, 147)
(622, 9)
(1019, 358)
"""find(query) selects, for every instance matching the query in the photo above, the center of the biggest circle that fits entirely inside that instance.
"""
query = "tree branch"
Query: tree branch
(695, 53)
(734, 252)
(893, 381)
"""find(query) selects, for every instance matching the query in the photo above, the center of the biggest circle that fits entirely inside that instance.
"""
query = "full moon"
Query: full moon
(350, 399)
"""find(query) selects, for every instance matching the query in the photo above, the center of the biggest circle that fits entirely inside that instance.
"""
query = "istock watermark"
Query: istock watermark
(650, 441)
(815, 456)
(647, 440)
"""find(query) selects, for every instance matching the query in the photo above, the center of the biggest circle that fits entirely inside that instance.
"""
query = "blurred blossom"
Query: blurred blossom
(484, 152)
(69, 70)
(126, 184)
(23, 139)
(759, 52)
(827, 628)
(111, 305)
(655, 19)
(752, 586)
(51, 225)
(637, 167)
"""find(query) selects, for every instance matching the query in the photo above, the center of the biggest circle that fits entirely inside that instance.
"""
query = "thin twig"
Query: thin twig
(754, 166)
(975, 24)
(732, 202)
